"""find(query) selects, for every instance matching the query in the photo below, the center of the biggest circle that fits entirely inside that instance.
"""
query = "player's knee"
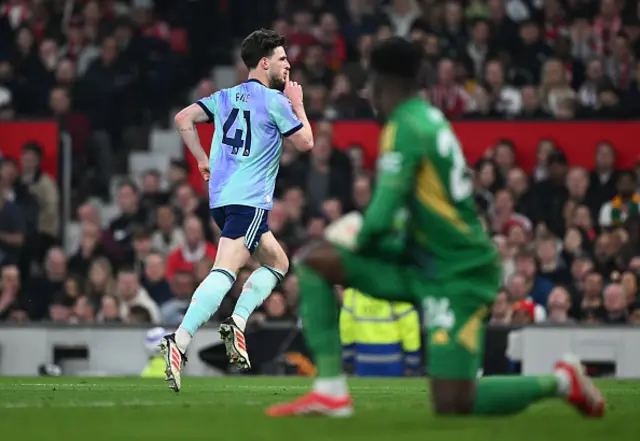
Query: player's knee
(314, 256)
(323, 258)
(452, 397)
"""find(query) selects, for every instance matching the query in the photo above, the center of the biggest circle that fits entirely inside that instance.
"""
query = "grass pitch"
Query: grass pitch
(96, 409)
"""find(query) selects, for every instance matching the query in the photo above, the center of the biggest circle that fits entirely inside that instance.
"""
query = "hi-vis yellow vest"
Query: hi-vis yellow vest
(379, 338)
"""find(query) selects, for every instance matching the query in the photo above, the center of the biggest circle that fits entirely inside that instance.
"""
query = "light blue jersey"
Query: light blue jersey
(250, 121)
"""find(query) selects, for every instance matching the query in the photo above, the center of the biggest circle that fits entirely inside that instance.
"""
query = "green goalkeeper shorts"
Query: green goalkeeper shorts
(455, 311)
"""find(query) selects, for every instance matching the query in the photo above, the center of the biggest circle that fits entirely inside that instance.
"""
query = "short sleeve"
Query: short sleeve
(208, 104)
(283, 116)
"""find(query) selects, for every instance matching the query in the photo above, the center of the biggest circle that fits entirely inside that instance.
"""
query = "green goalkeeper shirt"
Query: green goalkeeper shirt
(422, 171)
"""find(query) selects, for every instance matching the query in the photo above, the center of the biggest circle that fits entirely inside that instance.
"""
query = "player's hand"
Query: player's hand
(203, 168)
(293, 91)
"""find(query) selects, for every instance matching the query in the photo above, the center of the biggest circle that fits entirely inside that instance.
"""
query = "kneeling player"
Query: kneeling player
(447, 265)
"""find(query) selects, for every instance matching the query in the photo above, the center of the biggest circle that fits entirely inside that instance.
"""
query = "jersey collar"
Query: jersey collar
(253, 80)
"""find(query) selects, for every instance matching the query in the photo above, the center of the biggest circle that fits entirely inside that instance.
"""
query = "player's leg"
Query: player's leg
(234, 223)
(319, 269)
(455, 351)
(274, 266)
(257, 288)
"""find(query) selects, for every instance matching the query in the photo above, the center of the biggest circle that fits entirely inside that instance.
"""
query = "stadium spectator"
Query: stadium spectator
(559, 305)
(552, 194)
(275, 308)
(447, 95)
(12, 222)
(109, 310)
(130, 294)
(182, 287)
(325, 175)
(194, 249)
(84, 312)
(45, 192)
(188, 204)
(168, 236)
(524, 313)
(552, 266)
(591, 293)
(626, 203)
(501, 310)
(131, 214)
(42, 290)
(151, 192)
(155, 281)
(100, 280)
(505, 100)
(60, 310)
(603, 179)
(9, 291)
(615, 304)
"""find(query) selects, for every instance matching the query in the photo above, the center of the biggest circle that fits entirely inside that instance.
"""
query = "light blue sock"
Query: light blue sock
(256, 289)
(207, 298)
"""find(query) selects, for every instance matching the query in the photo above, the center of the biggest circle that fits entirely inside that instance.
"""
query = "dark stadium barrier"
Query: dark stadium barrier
(272, 348)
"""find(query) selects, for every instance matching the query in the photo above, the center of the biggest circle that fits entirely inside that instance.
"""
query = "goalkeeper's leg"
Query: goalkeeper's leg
(455, 352)
(320, 269)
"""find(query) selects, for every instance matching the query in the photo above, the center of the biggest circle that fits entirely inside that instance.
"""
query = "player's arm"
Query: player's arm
(288, 113)
(397, 164)
(186, 120)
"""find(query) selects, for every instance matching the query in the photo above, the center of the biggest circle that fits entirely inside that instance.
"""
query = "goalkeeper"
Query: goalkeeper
(446, 265)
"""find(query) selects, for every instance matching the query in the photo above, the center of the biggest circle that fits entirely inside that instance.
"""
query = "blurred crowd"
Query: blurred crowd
(569, 238)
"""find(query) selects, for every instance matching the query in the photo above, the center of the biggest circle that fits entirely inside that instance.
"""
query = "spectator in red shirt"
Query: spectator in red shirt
(194, 249)
(446, 94)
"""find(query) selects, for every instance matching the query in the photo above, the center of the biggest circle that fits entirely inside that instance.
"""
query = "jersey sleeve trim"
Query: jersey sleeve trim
(292, 131)
(206, 110)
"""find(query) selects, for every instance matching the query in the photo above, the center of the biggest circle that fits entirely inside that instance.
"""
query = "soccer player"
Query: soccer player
(446, 264)
(251, 120)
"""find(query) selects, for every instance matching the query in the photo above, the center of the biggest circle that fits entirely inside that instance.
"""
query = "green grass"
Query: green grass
(95, 409)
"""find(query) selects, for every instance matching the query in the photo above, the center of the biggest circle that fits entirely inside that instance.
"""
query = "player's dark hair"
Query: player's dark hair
(397, 57)
(260, 44)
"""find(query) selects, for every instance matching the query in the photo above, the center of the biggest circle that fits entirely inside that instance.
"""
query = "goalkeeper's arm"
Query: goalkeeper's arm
(396, 172)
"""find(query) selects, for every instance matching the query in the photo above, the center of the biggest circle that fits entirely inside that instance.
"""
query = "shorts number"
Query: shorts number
(236, 143)
(437, 313)
(459, 182)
